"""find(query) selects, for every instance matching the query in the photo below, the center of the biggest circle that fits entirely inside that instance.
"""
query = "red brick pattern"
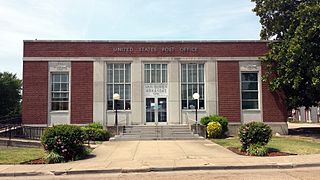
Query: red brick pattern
(274, 108)
(143, 49)
(81, 92)
(229, 90)
(35, 93)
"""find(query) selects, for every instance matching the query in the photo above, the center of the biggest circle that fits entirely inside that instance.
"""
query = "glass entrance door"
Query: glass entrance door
(156, 110)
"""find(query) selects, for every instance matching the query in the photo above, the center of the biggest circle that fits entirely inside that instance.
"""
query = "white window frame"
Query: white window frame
(150, 73)
(198, 83)
(124, 83)
(52, 82)
(258, 90)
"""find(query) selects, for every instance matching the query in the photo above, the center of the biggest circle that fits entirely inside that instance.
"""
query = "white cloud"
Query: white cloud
(119, 19)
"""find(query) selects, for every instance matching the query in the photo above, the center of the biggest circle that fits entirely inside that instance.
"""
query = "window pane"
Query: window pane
(128, 73)
(121, 87)
(201, 73)
(164, 76)
(249, 86)
(110, 75)
(116, 76)
(153, 73)
(55, 77)
(190, 90)
(249, 104)
(116, 89)
(249, 77)
(128, 92)
(121, 104)
(201, 104)
(192, 104)
(64, 86)
(121, 75)
(201, 91)
(110, 105)
(128, 104)
(56, 87)
(184, 104)
(184, 94)
(184, 73)
(64, 78)
(109, 91)
(249, 95)
(55, 106)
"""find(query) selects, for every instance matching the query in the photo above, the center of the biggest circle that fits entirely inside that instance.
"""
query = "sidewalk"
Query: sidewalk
(146, 156)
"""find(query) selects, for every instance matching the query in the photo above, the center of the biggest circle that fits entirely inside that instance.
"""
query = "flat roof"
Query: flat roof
(154, 41)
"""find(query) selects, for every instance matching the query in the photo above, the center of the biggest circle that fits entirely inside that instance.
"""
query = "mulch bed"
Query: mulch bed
(35, 161)
(271, 152)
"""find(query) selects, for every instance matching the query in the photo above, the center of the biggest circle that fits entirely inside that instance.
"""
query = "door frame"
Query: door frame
(156, 122)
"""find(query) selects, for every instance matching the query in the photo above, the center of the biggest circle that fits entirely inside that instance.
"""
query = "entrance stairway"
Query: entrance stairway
(163, 132)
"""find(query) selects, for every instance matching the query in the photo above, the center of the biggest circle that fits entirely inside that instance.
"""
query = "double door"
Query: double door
(156, 110)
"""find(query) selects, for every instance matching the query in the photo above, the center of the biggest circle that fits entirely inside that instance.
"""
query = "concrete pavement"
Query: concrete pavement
(146, 156)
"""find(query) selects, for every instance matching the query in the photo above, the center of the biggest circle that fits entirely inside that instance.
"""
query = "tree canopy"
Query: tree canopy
(10, 88)
(293, 62)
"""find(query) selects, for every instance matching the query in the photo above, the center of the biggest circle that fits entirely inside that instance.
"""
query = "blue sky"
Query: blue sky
(120, 20)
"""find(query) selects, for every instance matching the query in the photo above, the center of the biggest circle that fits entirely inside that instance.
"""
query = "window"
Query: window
(119, 81)
(59, 91)
(155, 73)
(249, 90)
(192, 81)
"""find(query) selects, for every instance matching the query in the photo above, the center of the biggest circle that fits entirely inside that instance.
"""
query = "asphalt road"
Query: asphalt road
(301, 173)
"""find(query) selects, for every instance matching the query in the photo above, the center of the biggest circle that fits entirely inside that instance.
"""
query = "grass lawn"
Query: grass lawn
(288, 144)
(17, 155)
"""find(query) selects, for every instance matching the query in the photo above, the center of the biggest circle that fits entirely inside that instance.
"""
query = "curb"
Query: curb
(164, 169)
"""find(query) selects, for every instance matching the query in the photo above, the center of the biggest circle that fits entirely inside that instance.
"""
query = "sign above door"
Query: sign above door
(155, 90)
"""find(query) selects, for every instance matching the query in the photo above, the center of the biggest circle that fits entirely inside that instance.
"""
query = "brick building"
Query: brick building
(74, 82)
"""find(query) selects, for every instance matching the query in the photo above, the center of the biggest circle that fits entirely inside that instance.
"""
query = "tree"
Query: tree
(10, 88)
(293, 62)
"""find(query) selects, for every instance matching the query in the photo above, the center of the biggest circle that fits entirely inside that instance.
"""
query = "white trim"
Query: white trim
(36, 125)
(151, 58)
(155, 41)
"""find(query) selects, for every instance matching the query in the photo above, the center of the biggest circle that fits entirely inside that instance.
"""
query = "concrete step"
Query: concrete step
(161, 132)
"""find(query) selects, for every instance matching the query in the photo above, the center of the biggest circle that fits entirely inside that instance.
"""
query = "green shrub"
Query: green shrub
(254, 133)
(95, 125)
(257, 150)
(215, 118)
(65, 140)
(90, 133)
(102, 135)
(95, 132)
(214, 130)
(53, 157)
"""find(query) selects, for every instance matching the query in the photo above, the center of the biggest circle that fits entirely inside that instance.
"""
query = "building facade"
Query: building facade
(73, 82)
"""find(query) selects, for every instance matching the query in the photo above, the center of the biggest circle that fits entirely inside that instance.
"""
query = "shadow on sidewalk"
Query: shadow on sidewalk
(313, 132)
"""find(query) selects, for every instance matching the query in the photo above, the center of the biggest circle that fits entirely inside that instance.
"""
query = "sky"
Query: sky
(120, 20)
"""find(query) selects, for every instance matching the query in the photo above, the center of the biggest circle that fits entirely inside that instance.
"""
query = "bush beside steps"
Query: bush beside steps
(65, 143)
(217, 126)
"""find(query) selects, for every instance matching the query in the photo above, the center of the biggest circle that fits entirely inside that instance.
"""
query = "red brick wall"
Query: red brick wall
(274, 108)
(35, 93)
(81, 92)
(106, 49)
(229, 90)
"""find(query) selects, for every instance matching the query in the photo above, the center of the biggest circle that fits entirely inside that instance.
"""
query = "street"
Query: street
(297, 173)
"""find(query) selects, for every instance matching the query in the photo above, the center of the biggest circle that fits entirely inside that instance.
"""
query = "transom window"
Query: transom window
(249, 90)
(192, 81)
(155, 73)
(59, 91)
(119, 81)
